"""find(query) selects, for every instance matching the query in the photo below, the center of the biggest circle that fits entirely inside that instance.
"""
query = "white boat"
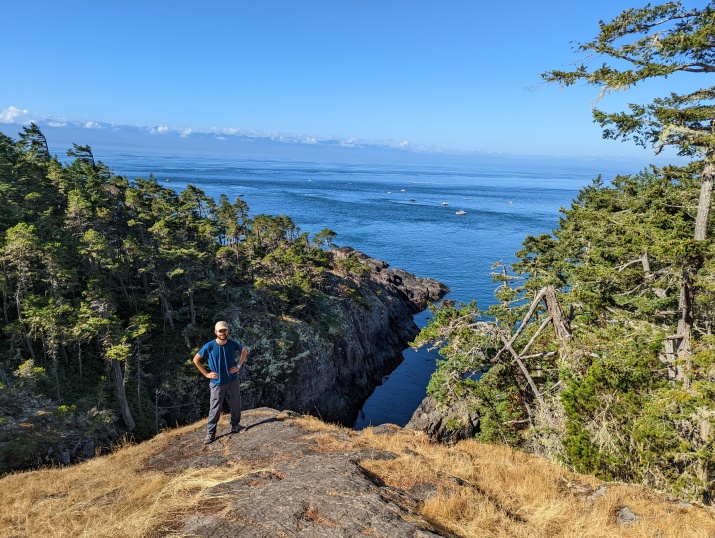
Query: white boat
(460, 212)
(444, 203)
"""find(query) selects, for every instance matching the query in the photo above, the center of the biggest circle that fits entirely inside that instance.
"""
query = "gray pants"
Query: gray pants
(231, 392)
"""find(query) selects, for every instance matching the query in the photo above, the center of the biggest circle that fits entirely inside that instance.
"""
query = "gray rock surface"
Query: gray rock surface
(443, 425)
(33, 433)
(417, 292)
(332, 374)
(296, 489)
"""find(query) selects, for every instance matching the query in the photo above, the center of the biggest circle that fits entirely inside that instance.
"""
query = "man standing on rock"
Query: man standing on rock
(223, 375)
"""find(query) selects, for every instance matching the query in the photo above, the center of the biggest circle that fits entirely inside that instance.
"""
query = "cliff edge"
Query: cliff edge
(325, 362)
(287, 475)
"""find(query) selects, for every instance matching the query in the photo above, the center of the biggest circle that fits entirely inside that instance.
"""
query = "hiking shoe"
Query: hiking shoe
(237, 428)
(209, 439)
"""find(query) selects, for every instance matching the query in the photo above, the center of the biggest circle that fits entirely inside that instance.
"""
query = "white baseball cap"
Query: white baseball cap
(221, 325)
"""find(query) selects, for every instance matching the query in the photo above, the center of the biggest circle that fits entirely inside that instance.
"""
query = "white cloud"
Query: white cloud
(160, 129)
(349, 142)
(18, 116)
(13, 114)
(230, 131)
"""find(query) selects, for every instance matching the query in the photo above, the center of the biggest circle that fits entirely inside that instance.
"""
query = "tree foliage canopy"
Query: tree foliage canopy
(617, 379)
(653, 42)
(109, 285)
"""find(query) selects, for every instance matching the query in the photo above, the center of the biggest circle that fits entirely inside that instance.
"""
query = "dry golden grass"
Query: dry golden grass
(493, 491)
(481, 491)
(109, 496)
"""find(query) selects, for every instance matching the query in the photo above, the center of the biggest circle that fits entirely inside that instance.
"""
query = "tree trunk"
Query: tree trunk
(705, 201)
(5, 297)
(5, 378)
(139, 382)
(562, 327)
(165, 305)
(30, 349)
(122, 395)
(646, 264)
(685, 321)
(690, 268)
(192, 307)
(56, 378)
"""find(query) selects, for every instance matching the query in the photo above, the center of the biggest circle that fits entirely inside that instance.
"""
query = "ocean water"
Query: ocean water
(402, 214)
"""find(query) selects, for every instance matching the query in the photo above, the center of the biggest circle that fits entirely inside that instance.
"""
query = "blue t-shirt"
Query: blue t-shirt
(221, 359)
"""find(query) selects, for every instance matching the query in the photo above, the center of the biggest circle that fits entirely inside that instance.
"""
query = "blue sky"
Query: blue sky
(456, 75)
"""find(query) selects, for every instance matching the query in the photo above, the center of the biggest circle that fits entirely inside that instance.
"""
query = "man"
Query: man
(223, 373)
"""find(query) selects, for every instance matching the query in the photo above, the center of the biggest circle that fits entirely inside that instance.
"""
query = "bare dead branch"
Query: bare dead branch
(527, 317)
(523, 369)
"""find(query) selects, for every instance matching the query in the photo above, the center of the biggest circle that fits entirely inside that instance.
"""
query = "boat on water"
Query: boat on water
(460, 212)
(444, 203)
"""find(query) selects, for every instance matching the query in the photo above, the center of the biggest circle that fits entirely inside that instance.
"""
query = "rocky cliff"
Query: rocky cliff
(330, 364)
(324, 361)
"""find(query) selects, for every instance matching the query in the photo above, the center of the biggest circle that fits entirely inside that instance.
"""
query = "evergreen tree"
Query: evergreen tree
(658, 42)
(34, 144)
(623, 386)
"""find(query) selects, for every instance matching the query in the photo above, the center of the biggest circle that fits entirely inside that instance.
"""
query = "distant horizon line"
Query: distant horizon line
(162, 133)
(23, 117)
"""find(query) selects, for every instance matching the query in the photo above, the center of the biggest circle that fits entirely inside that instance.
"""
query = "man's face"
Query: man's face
(222, 334)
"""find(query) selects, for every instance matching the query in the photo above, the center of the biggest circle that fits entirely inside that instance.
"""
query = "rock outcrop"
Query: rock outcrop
(37, 432)
(443, 425)
(325, 362)
(299, 489)
(334, 370)
(416, 292)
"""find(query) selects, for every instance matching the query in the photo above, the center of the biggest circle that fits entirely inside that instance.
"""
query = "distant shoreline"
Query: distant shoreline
(134, 139)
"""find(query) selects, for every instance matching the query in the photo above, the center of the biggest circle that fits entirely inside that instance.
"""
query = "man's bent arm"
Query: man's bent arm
(197, 363)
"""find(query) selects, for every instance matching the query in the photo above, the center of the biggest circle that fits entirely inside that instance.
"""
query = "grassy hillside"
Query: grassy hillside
(172, 485)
